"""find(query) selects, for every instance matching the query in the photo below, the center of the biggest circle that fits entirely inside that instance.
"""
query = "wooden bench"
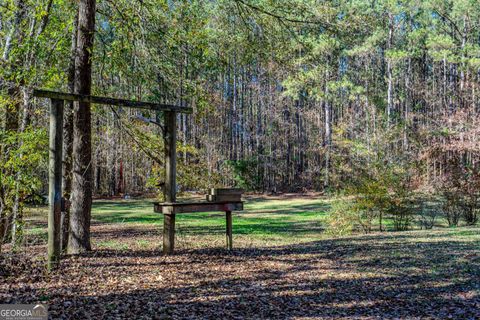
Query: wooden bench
(170, 209)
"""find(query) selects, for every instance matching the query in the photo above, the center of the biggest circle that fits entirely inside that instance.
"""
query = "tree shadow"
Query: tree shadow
(259, 226)
(378, 276)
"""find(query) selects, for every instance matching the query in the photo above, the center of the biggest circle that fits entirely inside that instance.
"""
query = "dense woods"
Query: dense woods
(363, 97)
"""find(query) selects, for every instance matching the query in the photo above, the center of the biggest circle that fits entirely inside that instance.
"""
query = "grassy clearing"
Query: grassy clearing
(264, 222)
(272, 220)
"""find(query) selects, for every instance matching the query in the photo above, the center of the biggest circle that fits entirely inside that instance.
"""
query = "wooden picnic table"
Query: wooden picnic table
(170, 209)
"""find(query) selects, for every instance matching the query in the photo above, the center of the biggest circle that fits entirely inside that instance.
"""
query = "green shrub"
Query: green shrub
(402, 211)
(341, 219)
(347, 216)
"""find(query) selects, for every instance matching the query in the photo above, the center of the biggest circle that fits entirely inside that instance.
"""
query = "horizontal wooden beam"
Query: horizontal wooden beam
(225, 191)
(190, 207)
(109, 101)
(224, 198)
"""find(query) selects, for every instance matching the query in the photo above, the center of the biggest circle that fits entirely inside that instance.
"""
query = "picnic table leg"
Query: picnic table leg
(168, 233)
(229, 229)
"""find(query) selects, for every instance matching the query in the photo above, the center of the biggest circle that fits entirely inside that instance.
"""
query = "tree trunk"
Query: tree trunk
(17, 209)
(68, 140)
(79, 237)
(15, 32)
(389, 70)
(12, 126)
(328, 135)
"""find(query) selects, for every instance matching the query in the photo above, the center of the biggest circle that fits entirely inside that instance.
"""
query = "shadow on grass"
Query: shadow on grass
(119, 218)
(259, 227)
(142, 211)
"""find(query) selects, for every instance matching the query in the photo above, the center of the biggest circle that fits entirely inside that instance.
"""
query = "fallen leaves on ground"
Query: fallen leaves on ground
(383, 276)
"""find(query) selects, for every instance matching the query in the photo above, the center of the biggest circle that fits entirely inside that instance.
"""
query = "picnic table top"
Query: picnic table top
(197, 206)
(187, 203)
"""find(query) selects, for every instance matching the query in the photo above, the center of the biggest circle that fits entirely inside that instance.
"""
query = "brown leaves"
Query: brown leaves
(400, 275)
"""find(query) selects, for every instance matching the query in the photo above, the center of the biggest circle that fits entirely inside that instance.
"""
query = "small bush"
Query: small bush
(347, 216)
(402, 210)
(366, 208)
(457, 206)
(427, 213)
(341, 219)
(459, 186)
(452, 208)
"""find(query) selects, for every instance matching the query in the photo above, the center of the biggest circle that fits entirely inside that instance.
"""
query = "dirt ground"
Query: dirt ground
(409, 275)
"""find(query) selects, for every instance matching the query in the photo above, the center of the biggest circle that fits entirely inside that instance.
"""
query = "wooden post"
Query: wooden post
(168, 233)
(170, 140)
(55, 182)
(170, 191)
(229, 230)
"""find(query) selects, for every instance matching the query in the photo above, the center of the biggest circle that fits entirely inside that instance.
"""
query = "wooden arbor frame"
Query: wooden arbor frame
(56, 153)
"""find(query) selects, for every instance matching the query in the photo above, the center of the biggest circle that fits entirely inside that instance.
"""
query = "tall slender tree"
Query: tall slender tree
(79, 237)
(68, 137)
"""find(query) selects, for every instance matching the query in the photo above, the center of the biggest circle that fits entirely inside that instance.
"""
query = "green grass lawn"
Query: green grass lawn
(282, 220)
(264, 222)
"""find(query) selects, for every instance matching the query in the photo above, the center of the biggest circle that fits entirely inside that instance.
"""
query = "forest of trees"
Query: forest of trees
(370, 97)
